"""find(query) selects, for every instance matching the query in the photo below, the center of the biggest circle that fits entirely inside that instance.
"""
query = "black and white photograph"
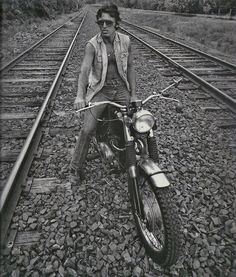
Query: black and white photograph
(118, 138)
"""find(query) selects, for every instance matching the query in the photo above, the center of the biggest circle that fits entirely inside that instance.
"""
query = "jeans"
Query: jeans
(113, 90)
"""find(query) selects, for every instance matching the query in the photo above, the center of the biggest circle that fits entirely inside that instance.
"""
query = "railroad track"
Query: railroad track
(213, 75)
(29, 83)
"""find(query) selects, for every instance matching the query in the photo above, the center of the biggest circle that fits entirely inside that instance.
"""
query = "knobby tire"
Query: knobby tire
(171, 249)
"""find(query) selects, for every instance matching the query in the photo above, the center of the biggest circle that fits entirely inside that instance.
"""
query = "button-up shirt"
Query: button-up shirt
(97, 75)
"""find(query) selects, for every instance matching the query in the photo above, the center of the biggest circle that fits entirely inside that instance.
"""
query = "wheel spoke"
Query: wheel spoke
(151, 238)
(152, 224)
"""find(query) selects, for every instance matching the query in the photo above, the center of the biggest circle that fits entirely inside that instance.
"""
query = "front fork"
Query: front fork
(132, 164)
(132, 168)
(152, 147)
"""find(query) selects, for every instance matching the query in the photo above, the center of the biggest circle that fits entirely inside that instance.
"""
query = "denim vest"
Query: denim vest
(97, 75)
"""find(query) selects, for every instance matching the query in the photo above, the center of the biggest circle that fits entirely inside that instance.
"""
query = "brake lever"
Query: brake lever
(177, 81)
(85, 108)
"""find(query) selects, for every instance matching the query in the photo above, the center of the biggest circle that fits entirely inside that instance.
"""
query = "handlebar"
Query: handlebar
(154, 95)
(160, 96)
(174, 84)
(95, 104)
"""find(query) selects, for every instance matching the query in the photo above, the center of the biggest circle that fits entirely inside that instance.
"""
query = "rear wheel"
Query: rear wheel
(158, 223)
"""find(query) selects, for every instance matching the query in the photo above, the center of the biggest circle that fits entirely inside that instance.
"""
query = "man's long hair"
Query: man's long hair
(112, 10)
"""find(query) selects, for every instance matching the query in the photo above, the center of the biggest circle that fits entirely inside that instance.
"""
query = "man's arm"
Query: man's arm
(131, 75)
(83, 76)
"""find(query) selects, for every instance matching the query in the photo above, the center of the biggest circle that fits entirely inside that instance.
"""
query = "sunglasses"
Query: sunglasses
(109, 23)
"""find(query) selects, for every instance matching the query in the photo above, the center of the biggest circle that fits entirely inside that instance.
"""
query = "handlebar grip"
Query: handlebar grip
(179, 108)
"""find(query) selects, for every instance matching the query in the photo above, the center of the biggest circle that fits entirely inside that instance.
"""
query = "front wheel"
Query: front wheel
(158, 223)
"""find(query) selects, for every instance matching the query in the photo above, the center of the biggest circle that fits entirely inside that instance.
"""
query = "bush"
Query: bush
(38, 8)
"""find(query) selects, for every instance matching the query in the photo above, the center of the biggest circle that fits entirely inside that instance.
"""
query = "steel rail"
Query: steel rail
(208, 56)
(10, 64)
(12, 179)
(216, 93)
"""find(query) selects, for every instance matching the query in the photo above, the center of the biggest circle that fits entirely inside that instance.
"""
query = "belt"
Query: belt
(113, 82)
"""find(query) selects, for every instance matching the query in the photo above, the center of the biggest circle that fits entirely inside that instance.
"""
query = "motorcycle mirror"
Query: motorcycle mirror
(165, 94)
(179, 108)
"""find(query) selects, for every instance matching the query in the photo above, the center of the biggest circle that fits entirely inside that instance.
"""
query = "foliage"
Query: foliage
(186, 6)
(41, 8)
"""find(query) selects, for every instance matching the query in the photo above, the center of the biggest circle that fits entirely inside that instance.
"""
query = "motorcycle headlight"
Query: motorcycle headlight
(143, 121)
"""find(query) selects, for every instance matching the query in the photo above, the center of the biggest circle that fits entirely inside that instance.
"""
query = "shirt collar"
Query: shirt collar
(100, 40)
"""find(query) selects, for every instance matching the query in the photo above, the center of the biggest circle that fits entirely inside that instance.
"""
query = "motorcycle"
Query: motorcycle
(125, 138)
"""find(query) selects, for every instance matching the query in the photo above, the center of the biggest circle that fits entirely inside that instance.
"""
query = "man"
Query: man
(107, 73)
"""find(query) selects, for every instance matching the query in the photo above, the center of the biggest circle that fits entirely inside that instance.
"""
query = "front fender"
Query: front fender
(158, 179)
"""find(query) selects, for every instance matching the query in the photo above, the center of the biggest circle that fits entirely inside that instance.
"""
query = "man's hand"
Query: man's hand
(79, 103)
